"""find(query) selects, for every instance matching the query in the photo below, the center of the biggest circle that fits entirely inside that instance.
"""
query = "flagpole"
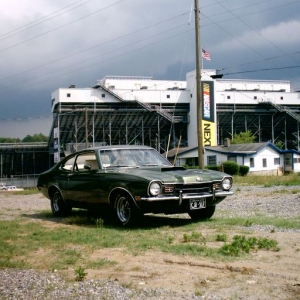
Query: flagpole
(199, 88)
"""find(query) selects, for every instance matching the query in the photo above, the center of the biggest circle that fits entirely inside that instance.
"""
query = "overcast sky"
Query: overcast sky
(45, 45)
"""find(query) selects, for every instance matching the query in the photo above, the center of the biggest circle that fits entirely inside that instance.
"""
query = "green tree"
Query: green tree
(9, 140)
(279, 145)
(243, 138)
(35, 138)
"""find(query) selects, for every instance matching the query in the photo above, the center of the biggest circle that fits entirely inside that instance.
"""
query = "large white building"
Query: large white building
(162, 113)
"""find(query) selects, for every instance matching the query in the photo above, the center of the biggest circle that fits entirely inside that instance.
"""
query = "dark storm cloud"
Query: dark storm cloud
(78, 42)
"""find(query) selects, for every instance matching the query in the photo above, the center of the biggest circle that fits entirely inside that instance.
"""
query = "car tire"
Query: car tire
(202, 214)
(58, 205)
(125, 210)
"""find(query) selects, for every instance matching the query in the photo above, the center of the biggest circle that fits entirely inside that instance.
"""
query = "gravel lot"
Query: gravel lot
(278, 201)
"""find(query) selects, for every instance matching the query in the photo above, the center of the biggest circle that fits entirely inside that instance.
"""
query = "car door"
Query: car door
(83, 183)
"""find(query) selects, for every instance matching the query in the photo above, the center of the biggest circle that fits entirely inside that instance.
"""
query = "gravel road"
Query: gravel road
(247, 201)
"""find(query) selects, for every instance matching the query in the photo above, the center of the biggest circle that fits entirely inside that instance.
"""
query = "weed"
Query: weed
(80, 274)
(194, 237)
(221, 238)
(99, 223)
(171, 239)
(248, 223)
(243, 244)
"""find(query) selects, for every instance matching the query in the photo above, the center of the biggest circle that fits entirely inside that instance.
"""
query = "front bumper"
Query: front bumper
(183, 196)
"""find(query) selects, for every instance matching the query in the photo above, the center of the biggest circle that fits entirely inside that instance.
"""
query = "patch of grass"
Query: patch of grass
(26, 191)
(221, 237)
(100, 263)
(26, 244)
(268, 181)
(244, 244)
(292, 223)
(194, 237)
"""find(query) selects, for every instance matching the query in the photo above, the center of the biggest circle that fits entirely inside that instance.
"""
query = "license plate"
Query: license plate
(197, 203)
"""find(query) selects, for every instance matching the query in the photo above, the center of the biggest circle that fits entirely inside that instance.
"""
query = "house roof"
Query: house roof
(172, 152)
(242, 149)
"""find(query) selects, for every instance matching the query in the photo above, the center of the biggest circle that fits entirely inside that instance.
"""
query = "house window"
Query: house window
(212, 160)
(251, 162)
(231, 158)
(255, 97)
(168, 96)
(277, 161)
(103, 95)
(264, 162)
(281, 98)
(228, 97)
(68, 95)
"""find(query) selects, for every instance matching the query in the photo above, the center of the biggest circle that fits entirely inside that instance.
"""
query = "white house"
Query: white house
(261, 158)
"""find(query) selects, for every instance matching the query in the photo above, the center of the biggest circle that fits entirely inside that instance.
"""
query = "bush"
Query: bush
(244, 170)
(215, 168)
(230, 167)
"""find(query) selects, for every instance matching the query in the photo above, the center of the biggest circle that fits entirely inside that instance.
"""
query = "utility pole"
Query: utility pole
(198, 84)
(86, 129)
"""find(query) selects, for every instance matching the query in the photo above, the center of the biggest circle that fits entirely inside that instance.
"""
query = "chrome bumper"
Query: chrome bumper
(182, 196)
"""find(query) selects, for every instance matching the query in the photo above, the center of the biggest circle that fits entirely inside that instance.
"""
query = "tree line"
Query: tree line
(36, 138)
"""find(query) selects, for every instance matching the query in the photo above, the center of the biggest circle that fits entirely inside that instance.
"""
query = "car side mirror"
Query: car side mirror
(87, 167)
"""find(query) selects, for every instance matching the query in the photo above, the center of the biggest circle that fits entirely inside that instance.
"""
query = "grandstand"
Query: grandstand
(159, 113)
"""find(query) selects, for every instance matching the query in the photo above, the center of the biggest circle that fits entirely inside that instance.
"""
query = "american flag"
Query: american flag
(205, 54)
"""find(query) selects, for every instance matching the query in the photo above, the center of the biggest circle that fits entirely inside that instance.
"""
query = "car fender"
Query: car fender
(52, 187)
(117, 190)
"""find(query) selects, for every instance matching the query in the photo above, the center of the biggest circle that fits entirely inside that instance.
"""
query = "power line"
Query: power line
(59, 27)
(41, 20)
(99, 45)
(261, 70)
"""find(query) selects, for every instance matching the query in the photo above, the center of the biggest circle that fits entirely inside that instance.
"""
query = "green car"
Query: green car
(131, 181)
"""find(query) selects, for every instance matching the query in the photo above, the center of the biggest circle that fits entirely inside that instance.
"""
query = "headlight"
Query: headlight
(226, 184)
(154, 188)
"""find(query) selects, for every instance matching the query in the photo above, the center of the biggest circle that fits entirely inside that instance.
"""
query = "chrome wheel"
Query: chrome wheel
(124, 210)
(58, 205)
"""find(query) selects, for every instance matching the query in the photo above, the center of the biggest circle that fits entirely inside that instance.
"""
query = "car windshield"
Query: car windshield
(131, 158)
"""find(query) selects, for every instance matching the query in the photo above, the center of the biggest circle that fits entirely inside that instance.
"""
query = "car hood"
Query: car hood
(176, 174)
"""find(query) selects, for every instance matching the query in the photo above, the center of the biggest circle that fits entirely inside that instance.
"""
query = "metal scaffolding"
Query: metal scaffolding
(84, 125)
(267, 121)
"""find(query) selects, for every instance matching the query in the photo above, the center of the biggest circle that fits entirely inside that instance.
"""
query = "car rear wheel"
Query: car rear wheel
(125, 210)
(202, 214)
(58, 206)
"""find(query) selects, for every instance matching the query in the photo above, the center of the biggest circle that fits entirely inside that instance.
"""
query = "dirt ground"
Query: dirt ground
(263, 275)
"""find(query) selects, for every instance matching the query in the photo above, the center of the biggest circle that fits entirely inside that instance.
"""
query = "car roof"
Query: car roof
(115, 147)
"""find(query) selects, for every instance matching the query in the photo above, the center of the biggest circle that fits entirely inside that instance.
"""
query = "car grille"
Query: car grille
(189, 188)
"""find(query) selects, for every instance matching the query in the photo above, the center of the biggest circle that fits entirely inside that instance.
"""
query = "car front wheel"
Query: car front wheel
(58, 206)
(202, 214)
(125, 210)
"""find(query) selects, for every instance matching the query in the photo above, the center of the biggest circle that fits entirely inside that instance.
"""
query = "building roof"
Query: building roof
(242, 149)
(172, 152)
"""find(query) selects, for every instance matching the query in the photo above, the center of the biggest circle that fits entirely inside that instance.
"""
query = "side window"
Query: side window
(251, 162)
(68, 165)
(86, 161)
(231, 158)
(212, 160)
